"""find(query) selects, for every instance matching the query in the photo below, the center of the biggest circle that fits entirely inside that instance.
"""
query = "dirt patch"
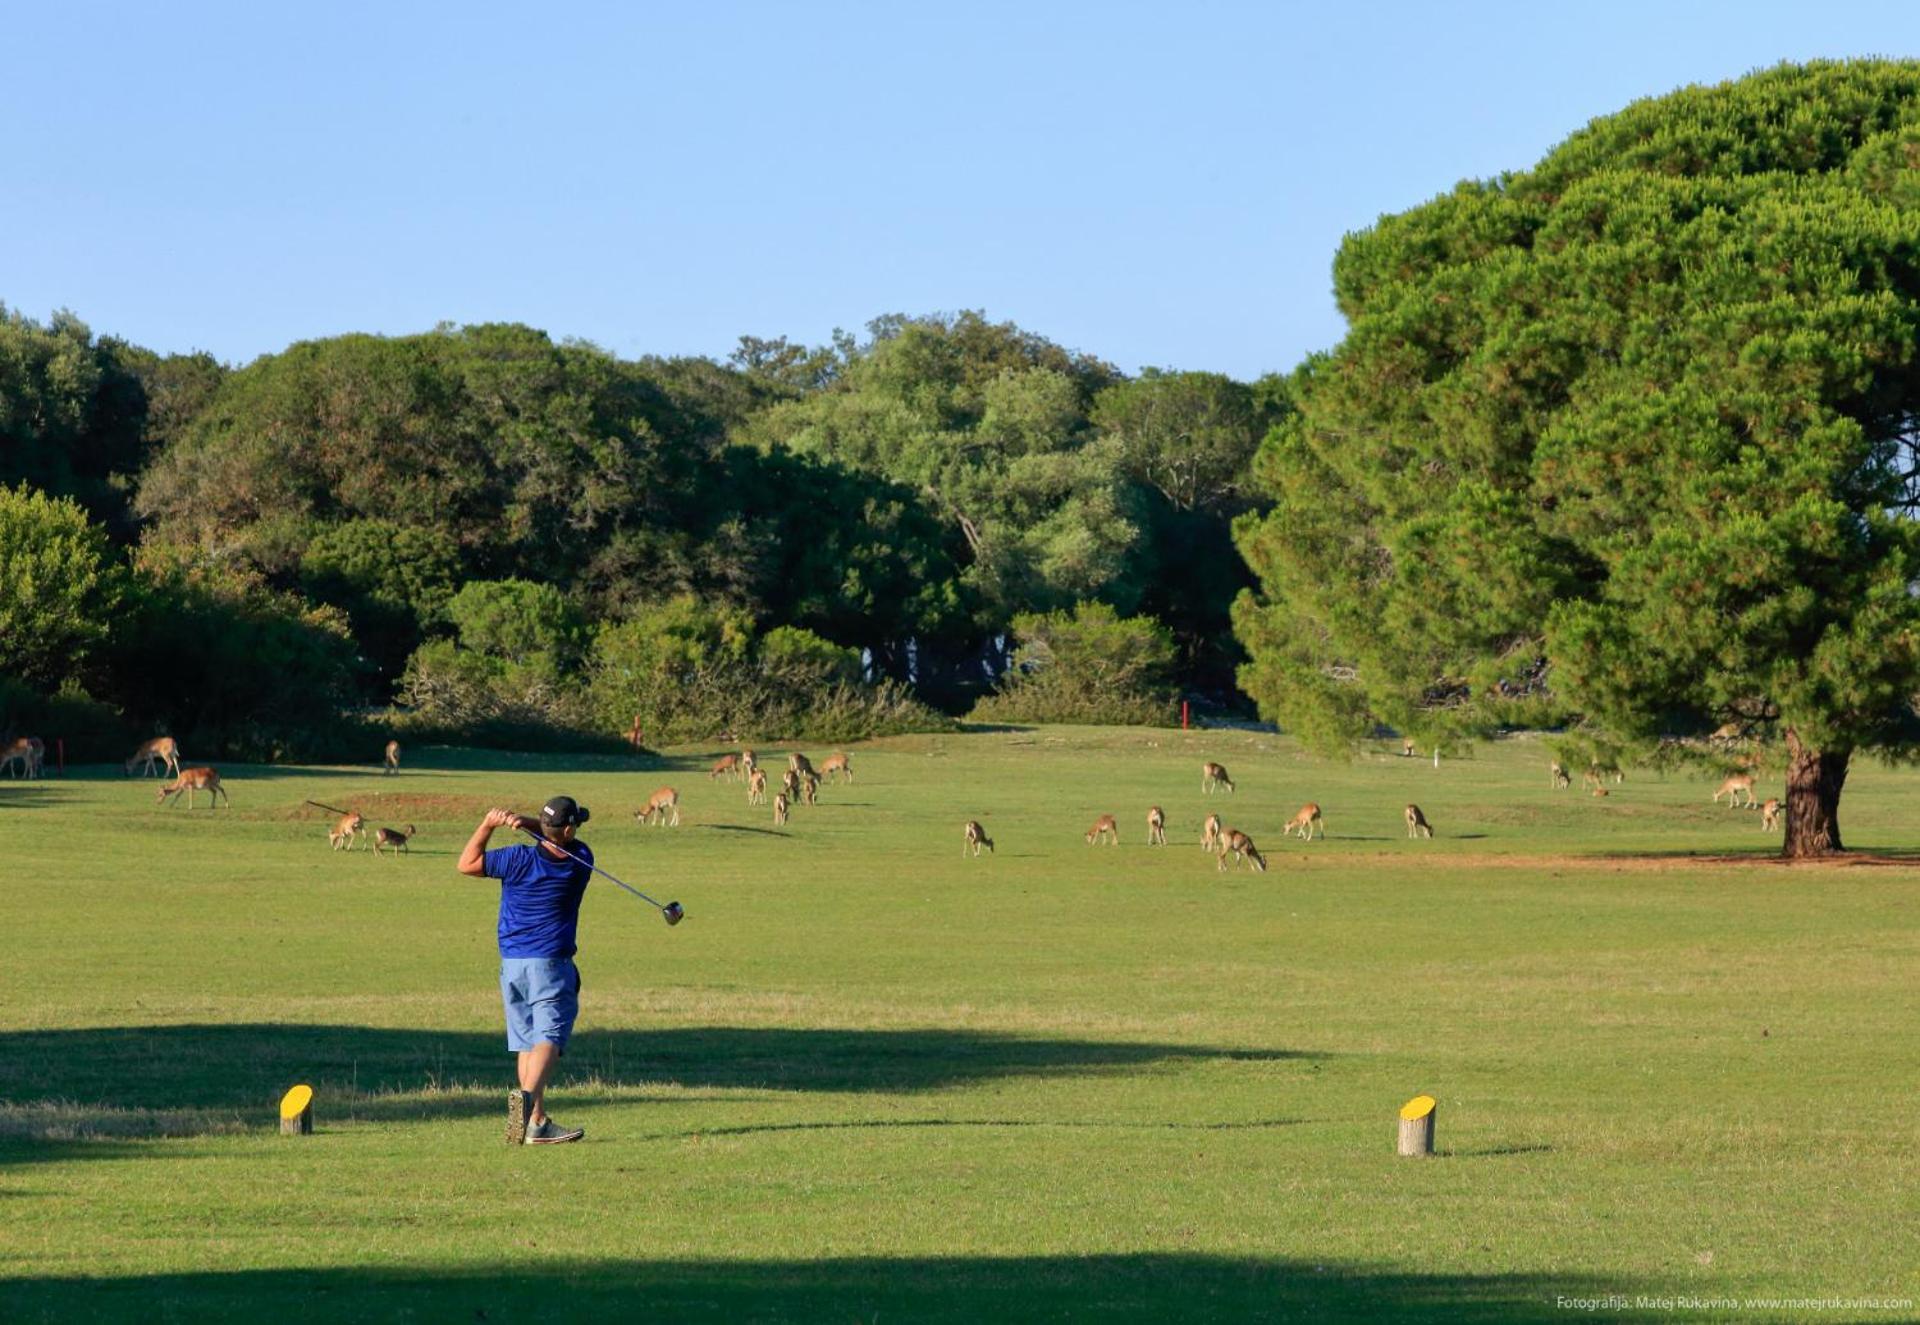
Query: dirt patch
(1642, 862)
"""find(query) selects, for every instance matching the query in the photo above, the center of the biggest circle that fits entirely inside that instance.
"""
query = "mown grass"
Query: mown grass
(868, 1078)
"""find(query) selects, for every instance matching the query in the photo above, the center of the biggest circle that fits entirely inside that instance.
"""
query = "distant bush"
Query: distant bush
(1088, 665)
(58, 588)
(94, 733)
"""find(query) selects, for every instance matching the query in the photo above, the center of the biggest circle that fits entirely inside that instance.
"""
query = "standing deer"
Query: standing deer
(1558, 775)
(163, 750)
(1304, 822)
(345, 829)
(659, 805)
(196, 779)
(790, 786)
(748, 764)
(757, 787)
(1406, 747)
(1770, 815)
(1732, 787)
(837, 764)
(780, 804)
(1156, 827)
(634, 733)
(1104, 827)
(974, 836)
(1214, 775)
(1210, 833)
(392, 839)
(1237, 844)
(1417, 825)
(799, 763)
(26, 752)
(810, 787)
(393, 759)
(726, 766)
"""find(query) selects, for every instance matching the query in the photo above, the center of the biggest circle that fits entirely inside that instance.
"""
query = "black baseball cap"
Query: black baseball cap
(562, 812)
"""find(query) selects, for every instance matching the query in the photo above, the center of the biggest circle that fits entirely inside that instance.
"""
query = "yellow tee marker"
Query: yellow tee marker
(1416, 1125)
(296, 1112)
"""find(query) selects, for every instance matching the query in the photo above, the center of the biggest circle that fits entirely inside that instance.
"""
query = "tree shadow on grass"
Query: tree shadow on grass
(222, 1072)
(1142, 1286)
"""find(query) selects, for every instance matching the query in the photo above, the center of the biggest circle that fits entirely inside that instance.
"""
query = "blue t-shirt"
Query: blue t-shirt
(539, 899)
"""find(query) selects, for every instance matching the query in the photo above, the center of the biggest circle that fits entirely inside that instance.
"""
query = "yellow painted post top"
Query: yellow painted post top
(295, 1102)
(1417, 1107)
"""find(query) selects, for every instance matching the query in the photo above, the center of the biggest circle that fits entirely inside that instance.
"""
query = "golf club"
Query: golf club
(671, 910)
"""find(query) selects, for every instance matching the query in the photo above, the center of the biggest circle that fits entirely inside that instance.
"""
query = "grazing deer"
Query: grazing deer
(392, 839)
(810, 787)
(1104, 827)
(1417, 825)
(1304, 822)
(1156, 827)
(393, 759)
(799, 763)
(1732, 788)
(162, 750)
(345, 829)
(836, 763)
(192, 780)
(757, 787)
(23, 753)
(1559, 776)
(1598, 772)
(1770, 815)
(1210, 833)
(790, 786)
(726, 766)
(780, 804)
(1237, 844)
(1214, 775)
(974, 836)
(659, 805)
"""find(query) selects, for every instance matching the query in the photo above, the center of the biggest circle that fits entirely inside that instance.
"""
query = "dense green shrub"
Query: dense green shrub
(58, 586)
(1090, 665)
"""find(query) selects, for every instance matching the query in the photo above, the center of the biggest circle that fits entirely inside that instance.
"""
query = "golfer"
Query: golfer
(540, 892)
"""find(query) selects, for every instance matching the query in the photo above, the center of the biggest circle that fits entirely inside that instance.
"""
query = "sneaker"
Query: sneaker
(519, 1105)
(550, 1133)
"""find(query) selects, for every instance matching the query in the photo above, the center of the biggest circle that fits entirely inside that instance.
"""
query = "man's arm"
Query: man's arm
(473, 857)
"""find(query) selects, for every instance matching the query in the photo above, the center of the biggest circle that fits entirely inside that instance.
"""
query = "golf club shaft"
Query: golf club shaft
(328, 808)
(547, 841)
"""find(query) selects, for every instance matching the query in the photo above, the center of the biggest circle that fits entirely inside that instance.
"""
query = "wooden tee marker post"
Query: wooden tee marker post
(296, 1112)
(1416, 1125)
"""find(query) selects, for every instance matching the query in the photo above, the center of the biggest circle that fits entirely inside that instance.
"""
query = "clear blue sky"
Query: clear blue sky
(1158, 184)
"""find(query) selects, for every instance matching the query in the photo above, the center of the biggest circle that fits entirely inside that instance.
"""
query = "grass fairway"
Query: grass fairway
(868, 1079)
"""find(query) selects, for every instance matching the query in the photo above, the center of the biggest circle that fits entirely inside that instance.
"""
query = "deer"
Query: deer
(790, 786)
(799, 763)
(835, 766)
(973, 836)
(26, 752)
(1210, 833)
(1214, 775)
(1104, 827)
(192, 780)
(659, 805)
(810, 787)
(748, 764)
(393, 759)
(1237, 844)
(1417, 825)
(1599, 791)
(1304, 822)
(757, 787)
(392, 839)
(163, 750)
(345, 829)
(1557, 774)
(1770, 815)
(1732, 788)
(726, 766)
(780, 804)
(634, 733)
(1406, 747)
(1156, 827)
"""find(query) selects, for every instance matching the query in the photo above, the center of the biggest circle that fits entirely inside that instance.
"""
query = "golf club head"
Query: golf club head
(673, 913)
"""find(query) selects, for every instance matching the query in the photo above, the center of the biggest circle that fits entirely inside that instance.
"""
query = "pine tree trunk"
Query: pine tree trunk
(1814, 780)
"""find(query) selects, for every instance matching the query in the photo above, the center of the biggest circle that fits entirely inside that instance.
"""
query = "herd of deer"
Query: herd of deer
(1735, 786)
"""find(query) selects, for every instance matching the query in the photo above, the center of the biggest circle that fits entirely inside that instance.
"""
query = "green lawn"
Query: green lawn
(868, 1079)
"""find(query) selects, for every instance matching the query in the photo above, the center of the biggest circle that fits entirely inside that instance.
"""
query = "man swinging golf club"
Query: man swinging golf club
(541, 885)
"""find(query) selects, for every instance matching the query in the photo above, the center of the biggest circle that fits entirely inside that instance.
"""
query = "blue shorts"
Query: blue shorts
(542, 997)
